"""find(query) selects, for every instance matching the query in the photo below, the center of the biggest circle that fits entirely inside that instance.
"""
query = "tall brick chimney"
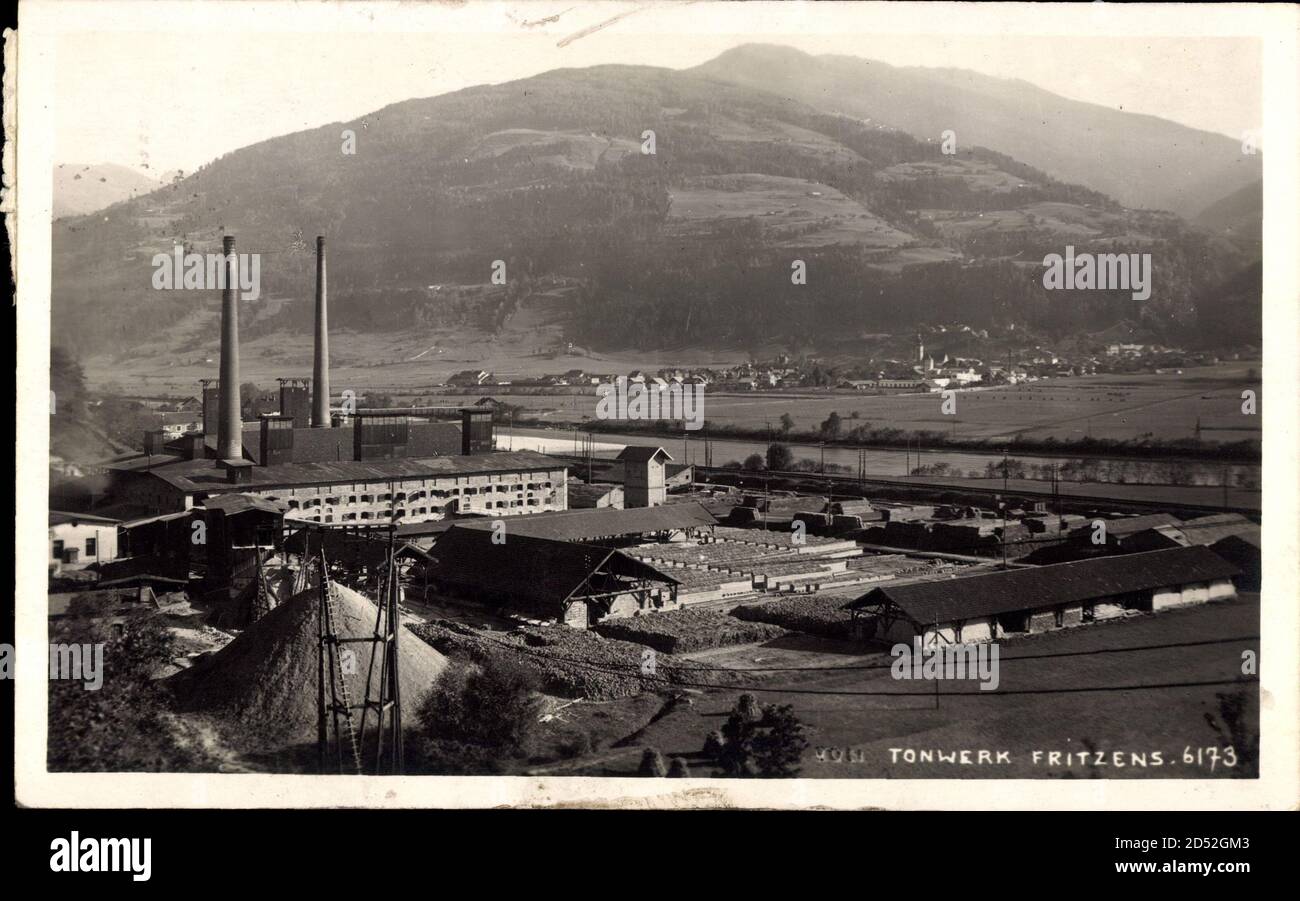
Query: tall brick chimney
(229, 438)
(320, 384)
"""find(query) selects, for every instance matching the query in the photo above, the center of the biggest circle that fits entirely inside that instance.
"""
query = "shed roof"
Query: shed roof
(636, 454)
(1131, 525)
(1048, 586)
(605, 522)
(60, 517)
(535, 571)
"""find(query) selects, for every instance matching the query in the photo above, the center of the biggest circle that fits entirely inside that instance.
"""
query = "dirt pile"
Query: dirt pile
(265, 681)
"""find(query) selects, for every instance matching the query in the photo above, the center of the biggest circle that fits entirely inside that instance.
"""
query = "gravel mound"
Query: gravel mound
(265, 681)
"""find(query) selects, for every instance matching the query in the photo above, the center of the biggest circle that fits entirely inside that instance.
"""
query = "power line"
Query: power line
(613, 669)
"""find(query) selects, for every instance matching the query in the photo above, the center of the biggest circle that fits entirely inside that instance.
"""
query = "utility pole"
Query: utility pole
(1003, 504)
(765, 480)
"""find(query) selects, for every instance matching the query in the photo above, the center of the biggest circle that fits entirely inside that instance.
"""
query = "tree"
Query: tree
(749, 708)
(753, 462)
(778, 749)
(1237, 729)
(787, 423)
(733, 757)
(473, 717)
(779, 457)
(652, 763)
(758, 741)
(832, 426)
(67, 381)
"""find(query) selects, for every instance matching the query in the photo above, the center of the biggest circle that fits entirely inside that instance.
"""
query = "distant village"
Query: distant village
(924, 371)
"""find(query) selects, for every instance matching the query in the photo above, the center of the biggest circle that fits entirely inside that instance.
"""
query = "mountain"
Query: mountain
(1141, 161)
(1240, 214)
(605, 245)
(81, 188)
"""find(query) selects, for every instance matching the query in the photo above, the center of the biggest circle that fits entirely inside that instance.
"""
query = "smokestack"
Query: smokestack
(320, 385)
(229, 438)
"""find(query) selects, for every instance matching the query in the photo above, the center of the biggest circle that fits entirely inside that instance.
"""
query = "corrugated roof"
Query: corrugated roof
(231, 504)
(530, 571)
(605, 522)
(1049, 586)
(203, 475)
(59, 517)
(1131, 525)
(1206, 530)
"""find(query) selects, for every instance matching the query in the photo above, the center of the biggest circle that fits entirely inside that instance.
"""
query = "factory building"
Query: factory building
(1039, 599)
(643, 480)
(356, 466)
(542, 578)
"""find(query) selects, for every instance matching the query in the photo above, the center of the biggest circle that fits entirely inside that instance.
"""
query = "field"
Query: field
(1120, 407)
(857, 717)
(803, 213)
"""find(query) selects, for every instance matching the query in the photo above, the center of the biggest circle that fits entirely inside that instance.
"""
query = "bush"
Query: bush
(779, 457)
(748, 707)
(124, 726)
(713, 744)
(779, 747)
(679, 769)
(472, 717)
(652, 763)
(768, 742)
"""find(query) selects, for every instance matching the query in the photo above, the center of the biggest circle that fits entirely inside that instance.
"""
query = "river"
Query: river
(879, 462)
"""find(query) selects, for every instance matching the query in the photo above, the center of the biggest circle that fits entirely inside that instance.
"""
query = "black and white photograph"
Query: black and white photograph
(821, 404)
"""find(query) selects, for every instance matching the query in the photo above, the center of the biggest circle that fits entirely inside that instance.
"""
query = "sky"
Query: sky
(161, 100)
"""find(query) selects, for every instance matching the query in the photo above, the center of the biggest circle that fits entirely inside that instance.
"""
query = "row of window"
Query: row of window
(354, 516)
(402, 496)
(57, 547)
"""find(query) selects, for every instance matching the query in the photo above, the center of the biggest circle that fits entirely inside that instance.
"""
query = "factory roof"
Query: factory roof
(1048, 586)
(582, 494)
(311, 445)
(59, 518)
(1131, 525)
(1206, 530)
(606, 522)
(587, 524)
(203, 475)
(232, 504)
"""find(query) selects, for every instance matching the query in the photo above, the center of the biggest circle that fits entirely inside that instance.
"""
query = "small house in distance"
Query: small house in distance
(598, 494)
(1039, 599)
(643, 479)
(81, 539)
